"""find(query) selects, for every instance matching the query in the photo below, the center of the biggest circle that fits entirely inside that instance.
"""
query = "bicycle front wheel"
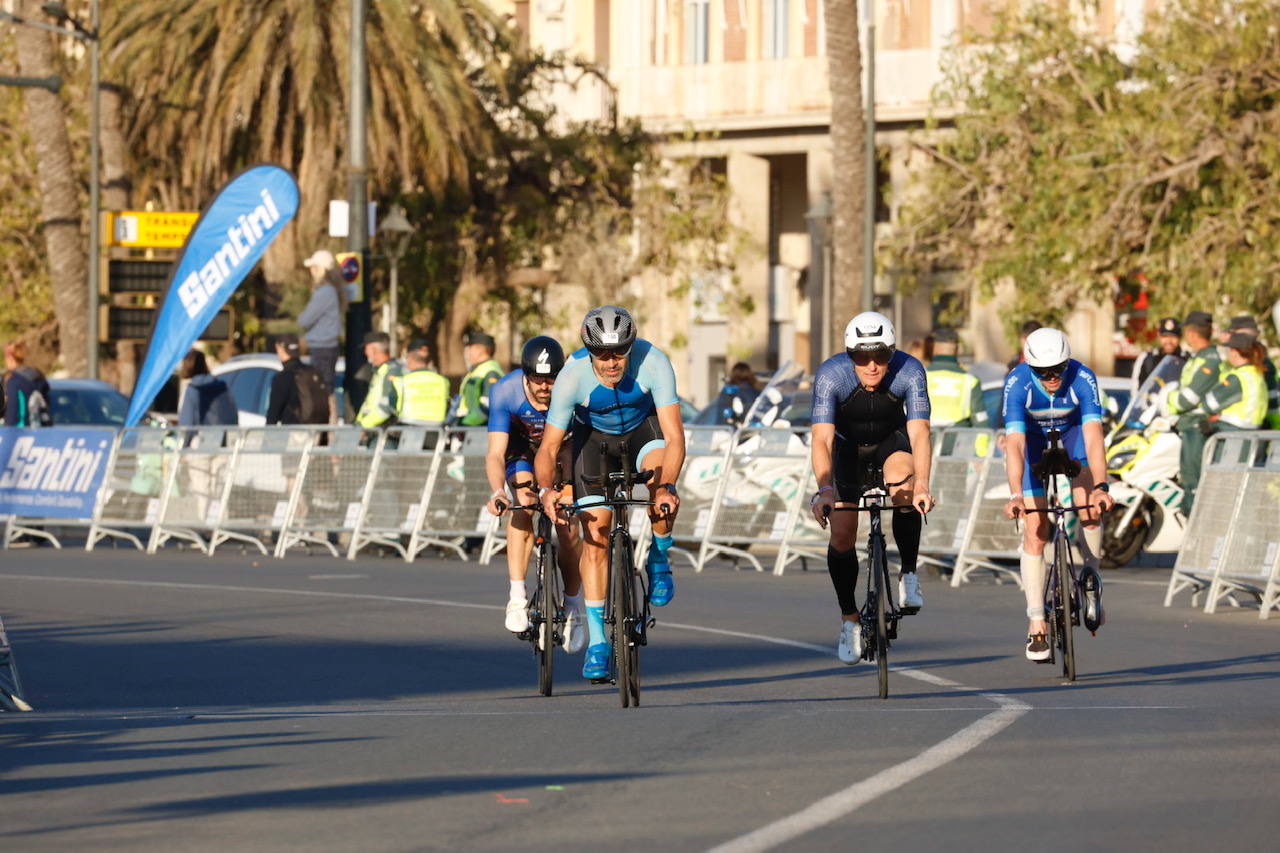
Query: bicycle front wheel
(1066, 604)
(548, 606)
(882, 628)
(625, 615)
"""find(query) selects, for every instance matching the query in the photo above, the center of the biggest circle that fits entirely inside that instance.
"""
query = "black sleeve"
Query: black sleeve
(282, 391)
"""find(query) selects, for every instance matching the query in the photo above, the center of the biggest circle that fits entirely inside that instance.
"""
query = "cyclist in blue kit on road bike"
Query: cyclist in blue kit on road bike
(1052, 391)
(617, 395)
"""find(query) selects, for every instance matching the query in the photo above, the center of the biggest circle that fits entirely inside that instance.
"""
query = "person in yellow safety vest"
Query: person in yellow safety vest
(954, 394)
(1249, 326)
(1199, 376)
(424, 394)
(1239, 401)
(382, 402)
(483, 372)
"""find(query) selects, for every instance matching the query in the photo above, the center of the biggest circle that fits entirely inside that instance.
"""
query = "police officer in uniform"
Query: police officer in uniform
(954, 394)
(1249, 326)
(383, 400)
(483, 372)
(1168, 344)
(1239, 401)
(1185, 400)
(424, 396)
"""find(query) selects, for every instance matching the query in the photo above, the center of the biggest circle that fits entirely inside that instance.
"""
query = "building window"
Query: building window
(779, 16)
(697, 20)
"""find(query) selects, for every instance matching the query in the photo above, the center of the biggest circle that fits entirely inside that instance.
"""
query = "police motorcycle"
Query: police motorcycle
(1142, 461)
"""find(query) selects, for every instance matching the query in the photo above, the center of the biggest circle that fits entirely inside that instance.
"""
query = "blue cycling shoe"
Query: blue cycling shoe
(662, 586)
(596, 663)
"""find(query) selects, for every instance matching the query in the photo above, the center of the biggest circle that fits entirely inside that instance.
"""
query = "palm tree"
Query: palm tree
(59, 191)
(217, 84)
(849, 173)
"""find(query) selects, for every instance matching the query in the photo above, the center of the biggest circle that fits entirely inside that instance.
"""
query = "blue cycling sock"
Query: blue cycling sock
(658, 553)
(595, 623)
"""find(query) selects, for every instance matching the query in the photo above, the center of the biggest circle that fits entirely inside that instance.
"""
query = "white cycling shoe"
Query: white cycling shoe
(849, 649)
(909, 597)
(517, 615)
(575, 629)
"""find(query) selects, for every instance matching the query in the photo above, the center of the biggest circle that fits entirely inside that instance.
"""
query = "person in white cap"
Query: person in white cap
(322, 319)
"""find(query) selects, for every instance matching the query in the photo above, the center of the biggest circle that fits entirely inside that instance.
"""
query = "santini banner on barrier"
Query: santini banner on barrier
(52, 473)
(225, 244)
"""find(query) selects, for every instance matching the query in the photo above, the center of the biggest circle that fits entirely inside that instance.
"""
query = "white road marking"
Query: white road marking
(820, 813)
(336, 577)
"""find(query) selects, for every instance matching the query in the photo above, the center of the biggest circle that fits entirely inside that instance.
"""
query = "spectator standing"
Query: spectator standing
(483, 371)
(323, 318)
(383, 400)
(1168, 344)
(298, 393)
(208, 400)
(26, 391)
(424, 394)
(1185, 400)
(954, 393)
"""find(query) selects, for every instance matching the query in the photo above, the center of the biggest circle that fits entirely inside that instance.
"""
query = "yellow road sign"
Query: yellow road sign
(151, 228)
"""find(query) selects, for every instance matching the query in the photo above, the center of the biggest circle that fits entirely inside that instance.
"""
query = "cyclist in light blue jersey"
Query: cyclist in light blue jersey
(1052, 391)
(618, 394)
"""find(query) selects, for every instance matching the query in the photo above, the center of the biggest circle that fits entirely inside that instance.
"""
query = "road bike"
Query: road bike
(546, 606)
(879, 615)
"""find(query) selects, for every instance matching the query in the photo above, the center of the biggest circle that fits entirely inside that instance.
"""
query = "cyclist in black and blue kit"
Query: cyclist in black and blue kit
(1050, 390)
(870, 406)
(518, 406)
(618, 392)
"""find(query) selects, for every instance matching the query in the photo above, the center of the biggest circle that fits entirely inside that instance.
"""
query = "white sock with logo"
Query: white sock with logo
(1033, 583)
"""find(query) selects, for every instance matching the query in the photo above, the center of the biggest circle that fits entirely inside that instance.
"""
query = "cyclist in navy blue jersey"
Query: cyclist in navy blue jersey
(518, 407)
(870, 408)
(1048, 391)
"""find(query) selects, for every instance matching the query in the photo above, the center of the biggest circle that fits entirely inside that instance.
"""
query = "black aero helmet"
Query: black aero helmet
(608, 327)
(542, 356)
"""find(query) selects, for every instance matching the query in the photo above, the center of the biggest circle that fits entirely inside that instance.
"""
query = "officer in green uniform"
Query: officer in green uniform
(955, 396)
(383, 400)
(1239, 400)
(424, 394)
(1185, 400)
(1249, 326)
(482, 373)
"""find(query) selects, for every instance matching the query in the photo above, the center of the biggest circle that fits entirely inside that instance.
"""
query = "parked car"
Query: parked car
(249, 378)
(86, 402)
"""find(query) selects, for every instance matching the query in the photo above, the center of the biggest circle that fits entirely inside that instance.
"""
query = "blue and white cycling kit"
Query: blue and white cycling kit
(511, 412)
(1031, 410)
(619, 419)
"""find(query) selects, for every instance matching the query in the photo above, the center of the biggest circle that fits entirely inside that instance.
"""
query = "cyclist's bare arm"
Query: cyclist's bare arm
(495, 467)
(1015, 455)
(672, 426)
(1096, 454)
(544, 463)
(822, 437)
(921, 460)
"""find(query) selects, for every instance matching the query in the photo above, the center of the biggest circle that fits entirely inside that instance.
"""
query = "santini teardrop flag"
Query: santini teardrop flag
(225, 244)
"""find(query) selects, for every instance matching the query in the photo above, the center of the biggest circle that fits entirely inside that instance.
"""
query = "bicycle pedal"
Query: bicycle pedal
(905, 610)
(605, 680)
(1046, 660)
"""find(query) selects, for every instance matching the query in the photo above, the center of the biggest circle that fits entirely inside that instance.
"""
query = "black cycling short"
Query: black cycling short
(519, 467)
(587, 444)
(850, 461)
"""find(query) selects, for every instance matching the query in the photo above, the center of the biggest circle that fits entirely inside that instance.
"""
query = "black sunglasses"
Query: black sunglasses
(1051, 372)
(863, 357)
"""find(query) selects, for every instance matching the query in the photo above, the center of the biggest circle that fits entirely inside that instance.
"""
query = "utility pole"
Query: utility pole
(359, 320)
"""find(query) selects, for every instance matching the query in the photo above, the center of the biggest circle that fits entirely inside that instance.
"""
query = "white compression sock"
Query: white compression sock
(1033, 584)
(1090, 541)
(518, 592)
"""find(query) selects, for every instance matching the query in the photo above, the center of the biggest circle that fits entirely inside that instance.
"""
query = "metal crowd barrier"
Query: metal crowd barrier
(960, 460)
(197, 463)
(334, 482)
(396, 502)
(129, 501)
(264, 476)
(1232, 540)
(987, 540)
(454, 510)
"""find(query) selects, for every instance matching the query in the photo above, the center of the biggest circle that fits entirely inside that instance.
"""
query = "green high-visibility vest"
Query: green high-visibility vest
(473, 399)
(950, 395)
(1251, 409)
(380, 404)
(424, 396)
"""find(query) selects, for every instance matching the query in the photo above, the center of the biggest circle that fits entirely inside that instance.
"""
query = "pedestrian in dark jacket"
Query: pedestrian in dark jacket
(26, 391)
(208, 400)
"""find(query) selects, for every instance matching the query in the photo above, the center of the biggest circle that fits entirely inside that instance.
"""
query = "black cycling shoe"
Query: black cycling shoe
(1094, 616)
(1038, 648)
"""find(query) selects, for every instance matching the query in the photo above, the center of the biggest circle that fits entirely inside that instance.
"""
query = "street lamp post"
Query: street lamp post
(819, 217)
(395, 229)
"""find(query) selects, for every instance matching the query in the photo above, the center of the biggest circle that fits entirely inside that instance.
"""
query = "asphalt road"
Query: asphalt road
(189, 703)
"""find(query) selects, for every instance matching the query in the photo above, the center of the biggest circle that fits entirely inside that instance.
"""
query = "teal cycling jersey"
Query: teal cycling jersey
(647, 384)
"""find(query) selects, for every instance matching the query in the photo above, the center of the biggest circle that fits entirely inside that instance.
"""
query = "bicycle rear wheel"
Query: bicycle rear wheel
(548, 607)
(622, 588)
(1066, 604)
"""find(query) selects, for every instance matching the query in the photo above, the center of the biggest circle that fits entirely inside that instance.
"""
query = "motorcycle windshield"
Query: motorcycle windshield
(784, 401)
(1168, 370)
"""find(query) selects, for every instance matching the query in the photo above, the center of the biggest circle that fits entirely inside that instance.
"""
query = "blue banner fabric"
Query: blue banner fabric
(225, 244)
(52, 473)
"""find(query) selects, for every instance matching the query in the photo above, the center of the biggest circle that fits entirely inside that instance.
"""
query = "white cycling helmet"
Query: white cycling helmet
(870, 330)
(1046, 348)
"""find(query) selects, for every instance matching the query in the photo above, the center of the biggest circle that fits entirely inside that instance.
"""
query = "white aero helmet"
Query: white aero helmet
(870, 330)
(1046, 348)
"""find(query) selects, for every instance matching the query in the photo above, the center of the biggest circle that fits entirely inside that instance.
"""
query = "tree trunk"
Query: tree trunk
(849, 174)
(117, 191)
(59, 193)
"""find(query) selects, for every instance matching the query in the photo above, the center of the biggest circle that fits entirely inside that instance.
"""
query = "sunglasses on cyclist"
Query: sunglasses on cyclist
(609, 354)
(863, 357)
(1051, 372)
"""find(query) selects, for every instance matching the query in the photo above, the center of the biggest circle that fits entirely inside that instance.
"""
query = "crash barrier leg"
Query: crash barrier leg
(262, 485)
(128, 503)
(100, 528)
(335, 478)
(197, 475)
(700, 483)
(1210, 527)
(456, 508)
(399, 489)
(58, 468)
(1251, 548)
(10, 682)
(764, 472)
